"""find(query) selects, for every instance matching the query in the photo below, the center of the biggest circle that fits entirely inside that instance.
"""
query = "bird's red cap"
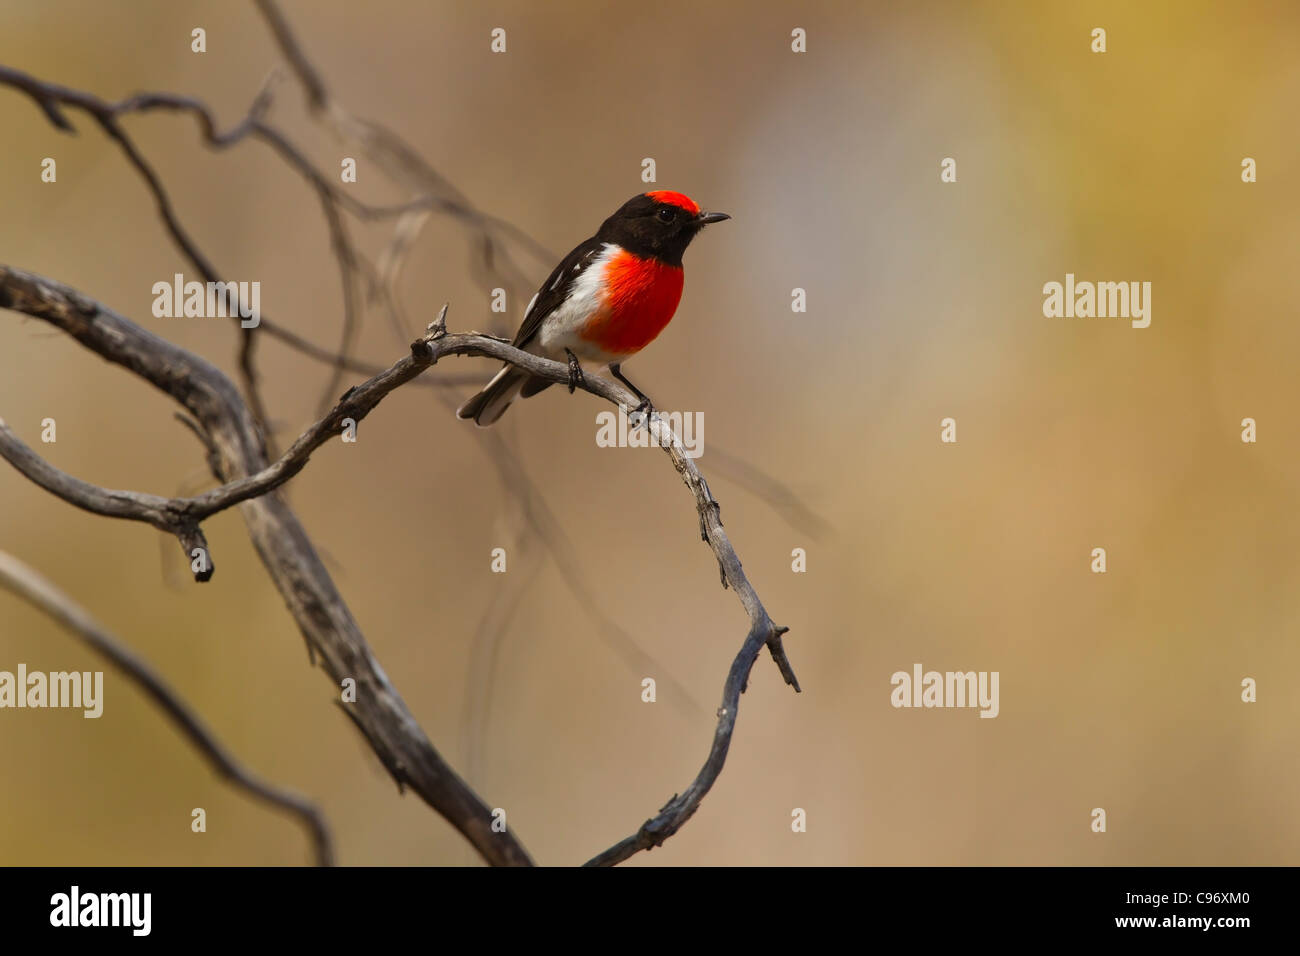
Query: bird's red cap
(681, 200)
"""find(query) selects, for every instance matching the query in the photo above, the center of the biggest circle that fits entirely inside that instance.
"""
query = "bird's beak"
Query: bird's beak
(705, 218)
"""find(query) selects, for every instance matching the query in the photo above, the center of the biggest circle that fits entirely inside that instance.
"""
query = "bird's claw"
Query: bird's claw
(641, 414)
(575, 372)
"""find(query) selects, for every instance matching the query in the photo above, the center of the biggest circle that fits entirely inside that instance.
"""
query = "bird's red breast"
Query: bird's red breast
(640, 296)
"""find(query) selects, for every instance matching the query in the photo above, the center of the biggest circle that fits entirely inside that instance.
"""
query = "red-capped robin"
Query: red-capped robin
(605, 301)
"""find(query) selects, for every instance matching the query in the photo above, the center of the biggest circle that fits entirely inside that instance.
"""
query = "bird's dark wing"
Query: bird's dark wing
(556, 288)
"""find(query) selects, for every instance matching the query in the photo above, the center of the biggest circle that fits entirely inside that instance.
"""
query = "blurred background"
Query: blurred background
(1119, 691)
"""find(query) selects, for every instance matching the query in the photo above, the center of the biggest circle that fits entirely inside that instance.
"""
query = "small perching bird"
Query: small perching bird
(605, 301)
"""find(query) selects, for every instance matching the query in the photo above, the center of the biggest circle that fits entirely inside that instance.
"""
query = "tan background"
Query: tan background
(1119, 691)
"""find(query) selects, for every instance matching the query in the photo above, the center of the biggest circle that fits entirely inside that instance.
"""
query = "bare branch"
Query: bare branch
(36, 296)
(681, 807)
(52, 98)
(138, 506)
(27, 584)
(286, 551)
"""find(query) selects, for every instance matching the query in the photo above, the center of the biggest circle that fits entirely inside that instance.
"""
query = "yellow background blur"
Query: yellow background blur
(1119, 691)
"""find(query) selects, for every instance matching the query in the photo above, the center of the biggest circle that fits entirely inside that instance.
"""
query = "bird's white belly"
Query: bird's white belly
(563, 328)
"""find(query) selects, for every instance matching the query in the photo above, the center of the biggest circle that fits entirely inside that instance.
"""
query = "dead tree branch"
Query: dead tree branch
(286, 551)
(165, 514)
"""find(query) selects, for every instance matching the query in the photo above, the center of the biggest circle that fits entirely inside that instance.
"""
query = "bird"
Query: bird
(605, 301)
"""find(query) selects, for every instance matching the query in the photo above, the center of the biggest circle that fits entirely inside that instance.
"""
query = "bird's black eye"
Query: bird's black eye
(665, 214)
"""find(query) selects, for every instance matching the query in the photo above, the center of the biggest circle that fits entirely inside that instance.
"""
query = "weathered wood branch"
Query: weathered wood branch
(292, 562)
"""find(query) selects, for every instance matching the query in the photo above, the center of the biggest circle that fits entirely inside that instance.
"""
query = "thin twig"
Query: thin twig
(52, 98)
(681, 807)
(137, 506)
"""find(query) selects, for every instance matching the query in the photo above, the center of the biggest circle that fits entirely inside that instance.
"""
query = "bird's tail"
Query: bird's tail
(491, 403)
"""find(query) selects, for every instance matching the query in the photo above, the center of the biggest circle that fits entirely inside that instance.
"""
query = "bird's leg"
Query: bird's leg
(575, 372)
(646, 405)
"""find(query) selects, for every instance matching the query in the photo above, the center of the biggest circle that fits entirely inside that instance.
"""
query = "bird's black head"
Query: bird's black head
(659, 224)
